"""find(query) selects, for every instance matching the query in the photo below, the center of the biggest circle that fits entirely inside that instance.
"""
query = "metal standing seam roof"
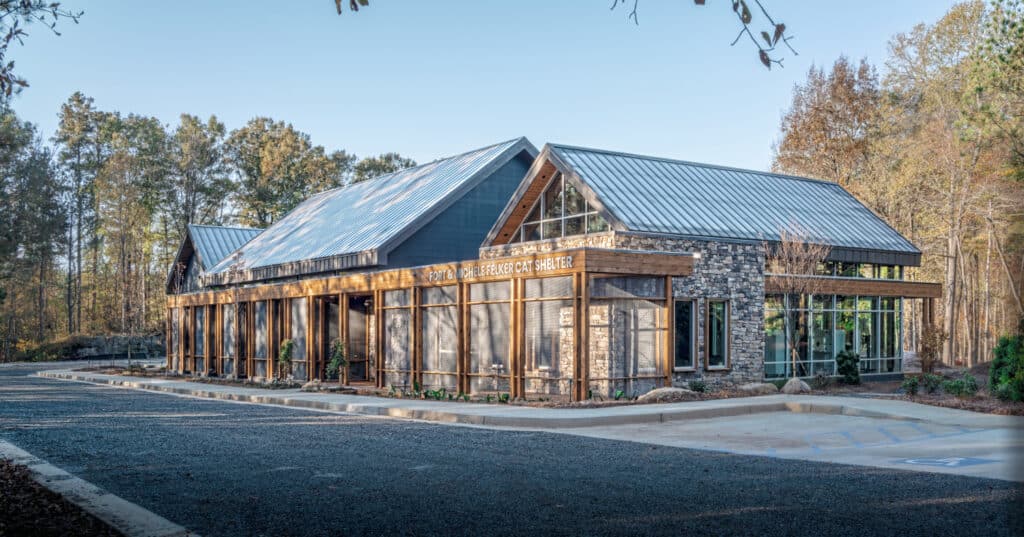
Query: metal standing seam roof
(657, 195)
(361, 221)
(215, 243)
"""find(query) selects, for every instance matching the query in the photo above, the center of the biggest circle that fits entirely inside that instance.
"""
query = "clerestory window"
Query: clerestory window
(561, 211)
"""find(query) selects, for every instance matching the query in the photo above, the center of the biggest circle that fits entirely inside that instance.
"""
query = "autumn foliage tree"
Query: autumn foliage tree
(932, 147)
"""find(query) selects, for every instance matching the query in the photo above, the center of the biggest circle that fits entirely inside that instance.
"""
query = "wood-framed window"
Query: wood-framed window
(716, 337)
(560, 211)
(684, 334)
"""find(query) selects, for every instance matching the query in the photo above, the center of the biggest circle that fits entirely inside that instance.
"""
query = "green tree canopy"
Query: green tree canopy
(371, 167)
(278, 167)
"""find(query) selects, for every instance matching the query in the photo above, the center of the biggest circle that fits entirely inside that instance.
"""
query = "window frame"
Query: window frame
(707, 334)
(693, 335)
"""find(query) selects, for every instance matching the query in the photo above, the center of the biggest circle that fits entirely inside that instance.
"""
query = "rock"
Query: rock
(795, 385)
(668, 395)
(759, 388)
(331, 387)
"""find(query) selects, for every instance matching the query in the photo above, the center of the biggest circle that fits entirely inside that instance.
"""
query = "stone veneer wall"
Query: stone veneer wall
(733, 271)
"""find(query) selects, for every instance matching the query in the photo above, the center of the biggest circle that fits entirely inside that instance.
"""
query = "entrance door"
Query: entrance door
(360, 322)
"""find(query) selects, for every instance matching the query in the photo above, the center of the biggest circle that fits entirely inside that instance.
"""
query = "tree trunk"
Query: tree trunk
(949, 309)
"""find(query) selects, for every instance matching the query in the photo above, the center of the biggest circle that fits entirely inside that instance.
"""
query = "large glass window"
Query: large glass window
(199, 338)
(299, 323)
(228, 338)
(776, 362)
(440, 337)
(175, 336)
(490, 319)
(550, 340)
(717, 343)
(822, 326)
(684, 335)
(397, 339)
(260, 342)
(561, 211)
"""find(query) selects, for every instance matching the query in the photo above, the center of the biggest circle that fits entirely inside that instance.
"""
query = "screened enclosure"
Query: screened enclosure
(627, 336)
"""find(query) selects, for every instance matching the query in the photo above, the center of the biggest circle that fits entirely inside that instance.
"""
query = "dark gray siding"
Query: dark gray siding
(457, 233)
(190, 282)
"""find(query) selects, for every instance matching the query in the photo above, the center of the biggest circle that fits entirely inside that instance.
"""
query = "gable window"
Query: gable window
(561, 211)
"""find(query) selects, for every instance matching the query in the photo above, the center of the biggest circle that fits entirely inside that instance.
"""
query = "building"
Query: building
(566, 272)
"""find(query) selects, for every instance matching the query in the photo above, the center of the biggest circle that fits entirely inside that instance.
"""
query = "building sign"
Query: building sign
(499, 268)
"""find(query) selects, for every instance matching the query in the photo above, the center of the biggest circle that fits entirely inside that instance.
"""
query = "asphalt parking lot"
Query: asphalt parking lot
(223, 468)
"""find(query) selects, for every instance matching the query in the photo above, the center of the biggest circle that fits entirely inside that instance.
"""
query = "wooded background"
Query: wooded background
(91, 219)
(936, 147)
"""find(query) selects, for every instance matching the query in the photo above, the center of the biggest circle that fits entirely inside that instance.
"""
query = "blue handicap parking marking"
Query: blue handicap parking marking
(947, 462)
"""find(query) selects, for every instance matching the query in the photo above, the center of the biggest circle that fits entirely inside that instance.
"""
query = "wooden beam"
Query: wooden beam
(856, 286)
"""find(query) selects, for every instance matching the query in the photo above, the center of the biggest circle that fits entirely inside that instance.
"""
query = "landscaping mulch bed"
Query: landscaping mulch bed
(29, 509)
(982, 403)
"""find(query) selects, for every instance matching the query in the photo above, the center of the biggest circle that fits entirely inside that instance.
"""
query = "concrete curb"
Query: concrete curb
(636, 415)
(128, 518)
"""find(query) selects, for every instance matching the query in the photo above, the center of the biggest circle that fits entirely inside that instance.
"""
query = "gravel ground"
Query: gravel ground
(221, 468)
(27, 508)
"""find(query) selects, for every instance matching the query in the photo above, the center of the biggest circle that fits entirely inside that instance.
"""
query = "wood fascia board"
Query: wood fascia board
(504, 219)
(855, 286)
(559, 263)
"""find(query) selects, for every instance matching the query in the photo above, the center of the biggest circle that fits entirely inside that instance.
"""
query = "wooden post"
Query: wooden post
(219, 337)
(270, 338)
(378, 329)
(462, 382)
(343, 334)
(517, 371)
(311, 350)
(416, 339)
(670, 318)
(581, 331)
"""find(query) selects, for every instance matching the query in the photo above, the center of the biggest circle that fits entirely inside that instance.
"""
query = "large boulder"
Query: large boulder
(668, 395)
(795, 386)
(759, 388)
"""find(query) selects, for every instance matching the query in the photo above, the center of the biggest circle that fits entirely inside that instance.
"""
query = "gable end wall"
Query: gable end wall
(456, 234)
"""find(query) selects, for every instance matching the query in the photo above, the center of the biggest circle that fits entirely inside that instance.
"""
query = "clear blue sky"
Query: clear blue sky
(430, 79)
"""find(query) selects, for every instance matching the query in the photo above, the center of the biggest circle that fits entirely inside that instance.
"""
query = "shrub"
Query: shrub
(848, 365)
(284, 356)
(965, 386)
(779, 383)
(339, 358)
(1006, 374)
(929, 348)
(821, 381)
(931, 382)
(698, 386)
(910, 385)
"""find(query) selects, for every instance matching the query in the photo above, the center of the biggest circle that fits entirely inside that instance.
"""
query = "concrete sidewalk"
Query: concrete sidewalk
(501, 415)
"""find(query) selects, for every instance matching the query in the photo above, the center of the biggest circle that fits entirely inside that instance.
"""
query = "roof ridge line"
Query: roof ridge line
(694, 163)
(435, 161)
(228, 227)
